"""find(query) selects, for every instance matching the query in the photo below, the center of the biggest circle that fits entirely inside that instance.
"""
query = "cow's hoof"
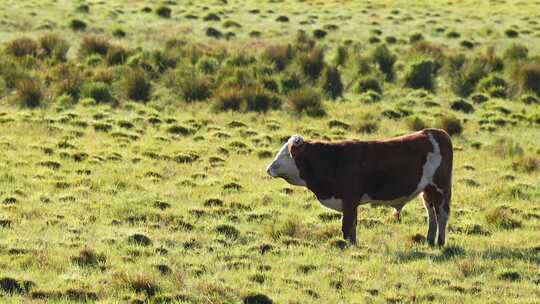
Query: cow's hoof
(340, 244)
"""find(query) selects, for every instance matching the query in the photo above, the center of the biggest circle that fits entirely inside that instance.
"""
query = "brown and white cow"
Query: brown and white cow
(346, 174)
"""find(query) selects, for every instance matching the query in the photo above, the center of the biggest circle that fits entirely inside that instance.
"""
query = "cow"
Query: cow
(346, 174)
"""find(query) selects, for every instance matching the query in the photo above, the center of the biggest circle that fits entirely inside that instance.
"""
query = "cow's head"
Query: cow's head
(284, 165)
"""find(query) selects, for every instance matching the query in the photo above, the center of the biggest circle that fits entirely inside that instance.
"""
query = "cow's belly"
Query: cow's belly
(337, 204)
(333, 203)
(397, 203)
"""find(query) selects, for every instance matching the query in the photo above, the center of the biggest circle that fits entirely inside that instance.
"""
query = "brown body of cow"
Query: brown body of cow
(346, 174)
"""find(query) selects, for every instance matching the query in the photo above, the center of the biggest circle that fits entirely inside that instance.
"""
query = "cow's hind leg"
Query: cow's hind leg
(443, 212)
(431, 219)
(437, 202)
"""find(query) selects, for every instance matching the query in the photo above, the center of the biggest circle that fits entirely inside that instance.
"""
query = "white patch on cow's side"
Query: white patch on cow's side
(433, 162)
(333, 203)
(284, 166)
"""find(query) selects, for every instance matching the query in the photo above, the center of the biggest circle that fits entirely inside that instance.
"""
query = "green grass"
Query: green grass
(160, 198)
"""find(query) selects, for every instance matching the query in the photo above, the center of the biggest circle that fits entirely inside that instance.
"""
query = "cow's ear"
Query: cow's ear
(296, 144)
(297, 140)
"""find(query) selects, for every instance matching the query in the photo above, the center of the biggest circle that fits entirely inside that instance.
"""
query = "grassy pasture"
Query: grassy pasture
(132, 167)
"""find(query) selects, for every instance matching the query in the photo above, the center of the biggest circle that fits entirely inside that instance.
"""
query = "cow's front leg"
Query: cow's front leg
(348, 222)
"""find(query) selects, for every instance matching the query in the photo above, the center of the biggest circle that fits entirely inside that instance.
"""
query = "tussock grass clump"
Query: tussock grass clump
(511, 33)
(494, 62)
(119, 33)
(77, 25)
(290, 81)
(306, 100)
(452, 35)
(516, 51)
(462, 106)
(180, 130)
(415, 123)
(257, 298)
(116, 55)
(212, 17)
(303, 42)
(69, 80)
(465, 76)
(106, 75)
(229, 231)
(430, 50)
(83, 8)
(270, 84)
(89, 258)
(420, 75)
(285, 229)
(502, 217)
(99, 91)
(367, 126)
(331, 82)
(312, 63)
(231, 24)
(506, 147)
(367, 84)
(163, 60)
(493, 85)
(207, 65)
(194, 86)
(279, 55)
(319, 34)
(509, 275)
(246, 99)
(451, 124)
(467, 44)
(416, 37)
(527, 164)
(340, 56)
(92, 45)
(30, 93)
(139, 283)
(529, 99)
(214, 33)
(10, 285)
(528, 78)
(94, 60)
(21, 47)
(479, 98)
(374, 40)
(255, 34)
(136, 85)
(11, 72)
(54, 46)
(139, 239)
(385, 61)
(371, 97)
(164, 11)
(390, 39)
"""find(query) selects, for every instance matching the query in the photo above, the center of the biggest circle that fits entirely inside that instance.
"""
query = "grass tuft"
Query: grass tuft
(136, 85)
(21, 47)
(331, 82)
(30, 93)
(306, 101)
(451, 124)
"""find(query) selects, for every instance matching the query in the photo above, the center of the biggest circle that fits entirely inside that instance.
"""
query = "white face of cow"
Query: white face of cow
(284, 166)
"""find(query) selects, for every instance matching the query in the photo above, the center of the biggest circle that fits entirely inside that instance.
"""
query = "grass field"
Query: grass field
(134, 149)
